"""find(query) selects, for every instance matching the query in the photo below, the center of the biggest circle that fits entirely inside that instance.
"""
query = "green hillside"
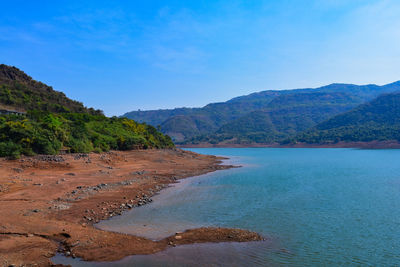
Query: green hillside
(376, 120)
(263, 117)
(20, 92)
(185, 123)
(54, 122)
(285, 115)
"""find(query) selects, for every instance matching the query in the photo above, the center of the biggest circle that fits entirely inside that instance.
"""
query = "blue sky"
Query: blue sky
(127, 55)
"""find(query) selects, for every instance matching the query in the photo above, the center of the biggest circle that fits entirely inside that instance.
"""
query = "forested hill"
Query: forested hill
(377, 120)
(263, 117)
(54, 123)
(20, 92)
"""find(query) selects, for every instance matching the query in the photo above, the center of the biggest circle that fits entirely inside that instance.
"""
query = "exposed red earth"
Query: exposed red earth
(50, 203)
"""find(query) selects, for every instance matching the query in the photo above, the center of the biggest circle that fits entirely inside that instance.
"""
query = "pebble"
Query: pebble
(50, 158)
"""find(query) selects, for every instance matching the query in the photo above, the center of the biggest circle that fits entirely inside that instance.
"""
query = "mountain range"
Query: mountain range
(377, 120)
(270, 117)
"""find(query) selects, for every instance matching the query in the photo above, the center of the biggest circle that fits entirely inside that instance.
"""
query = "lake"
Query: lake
(316, 207)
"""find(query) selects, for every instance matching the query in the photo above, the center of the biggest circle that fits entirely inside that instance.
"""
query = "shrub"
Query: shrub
(10, 149)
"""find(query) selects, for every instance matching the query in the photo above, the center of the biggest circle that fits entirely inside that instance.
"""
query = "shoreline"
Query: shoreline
(53, 202)
(360, 145)
(159, 198)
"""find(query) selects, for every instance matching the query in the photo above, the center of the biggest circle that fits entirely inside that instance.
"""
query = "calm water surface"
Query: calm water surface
(317, 207)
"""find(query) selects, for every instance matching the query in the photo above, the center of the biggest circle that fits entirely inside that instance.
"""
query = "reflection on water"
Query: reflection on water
(329, 207)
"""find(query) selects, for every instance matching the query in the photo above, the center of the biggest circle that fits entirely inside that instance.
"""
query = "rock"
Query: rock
(50, 158)
(18, 170)
(75, 244)
(178, 237)
(81, 155)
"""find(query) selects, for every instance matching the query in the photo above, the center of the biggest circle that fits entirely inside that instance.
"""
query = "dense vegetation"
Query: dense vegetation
(264, 117)
(376, 120)
(20, 92)
(54, 122)
(285, 116)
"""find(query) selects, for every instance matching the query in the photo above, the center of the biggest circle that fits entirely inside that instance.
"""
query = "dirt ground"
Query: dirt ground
(49, 204)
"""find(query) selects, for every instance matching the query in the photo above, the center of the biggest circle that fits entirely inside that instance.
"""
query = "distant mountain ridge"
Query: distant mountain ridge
(263, 117)
(377, 120)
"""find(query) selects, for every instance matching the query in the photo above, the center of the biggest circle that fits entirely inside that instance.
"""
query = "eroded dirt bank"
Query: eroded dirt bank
(49, 203)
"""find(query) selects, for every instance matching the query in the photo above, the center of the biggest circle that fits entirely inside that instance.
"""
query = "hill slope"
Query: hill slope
(20, 92)
(263, 117)
(54, 122)
(377, 120)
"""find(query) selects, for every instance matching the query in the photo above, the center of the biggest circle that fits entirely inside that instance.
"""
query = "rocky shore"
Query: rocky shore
(50, 203)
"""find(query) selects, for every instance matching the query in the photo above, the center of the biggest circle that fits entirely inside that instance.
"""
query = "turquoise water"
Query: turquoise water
(317, 207)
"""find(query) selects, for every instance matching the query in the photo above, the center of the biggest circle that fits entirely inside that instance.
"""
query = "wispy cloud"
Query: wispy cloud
(13, 34)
